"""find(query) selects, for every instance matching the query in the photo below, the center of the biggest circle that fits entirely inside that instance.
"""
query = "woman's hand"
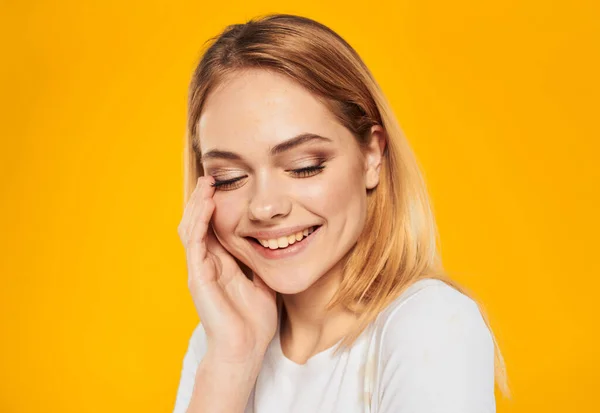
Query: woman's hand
(238, 315)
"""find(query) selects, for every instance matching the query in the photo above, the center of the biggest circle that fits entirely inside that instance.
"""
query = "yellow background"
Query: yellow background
(500, 102)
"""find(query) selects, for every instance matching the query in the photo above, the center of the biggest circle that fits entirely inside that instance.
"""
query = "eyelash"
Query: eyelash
(300, 173)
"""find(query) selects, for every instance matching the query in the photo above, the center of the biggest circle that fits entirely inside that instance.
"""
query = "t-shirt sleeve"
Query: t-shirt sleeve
(195, 351)
(437, 355)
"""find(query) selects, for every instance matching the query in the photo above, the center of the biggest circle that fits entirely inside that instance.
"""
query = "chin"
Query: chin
(289, 282)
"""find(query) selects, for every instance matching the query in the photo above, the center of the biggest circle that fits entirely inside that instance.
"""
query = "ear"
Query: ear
(373, 155)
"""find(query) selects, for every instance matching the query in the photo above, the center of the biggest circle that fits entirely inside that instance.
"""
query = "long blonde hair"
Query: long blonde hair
(399, 244)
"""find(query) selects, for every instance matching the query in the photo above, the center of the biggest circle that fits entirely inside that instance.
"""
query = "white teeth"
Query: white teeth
(283, 242)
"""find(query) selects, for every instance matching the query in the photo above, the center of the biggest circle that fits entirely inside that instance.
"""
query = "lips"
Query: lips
(285, 240)
(284, 252)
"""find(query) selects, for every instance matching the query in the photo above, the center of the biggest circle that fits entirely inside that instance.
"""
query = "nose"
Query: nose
(268, 202)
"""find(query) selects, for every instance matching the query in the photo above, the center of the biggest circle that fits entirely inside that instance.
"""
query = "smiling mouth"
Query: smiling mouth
(284, 242)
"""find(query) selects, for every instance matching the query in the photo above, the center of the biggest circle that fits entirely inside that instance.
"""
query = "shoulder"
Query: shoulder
(430, 307)
(435, 352)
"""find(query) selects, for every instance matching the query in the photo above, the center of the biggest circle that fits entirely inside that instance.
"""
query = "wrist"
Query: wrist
(248, 363)
(223, 385)
(237, 357)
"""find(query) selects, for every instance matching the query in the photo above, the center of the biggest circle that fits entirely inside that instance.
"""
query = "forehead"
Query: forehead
(257, 108)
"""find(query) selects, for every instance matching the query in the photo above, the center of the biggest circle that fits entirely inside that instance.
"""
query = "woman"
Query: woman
(311, 245)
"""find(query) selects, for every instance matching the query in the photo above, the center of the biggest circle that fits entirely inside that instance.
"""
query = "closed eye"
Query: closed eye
(226, 184)
(308, 171)
(234, 183)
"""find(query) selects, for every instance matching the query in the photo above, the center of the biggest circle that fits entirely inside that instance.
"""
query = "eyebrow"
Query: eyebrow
(275, 150)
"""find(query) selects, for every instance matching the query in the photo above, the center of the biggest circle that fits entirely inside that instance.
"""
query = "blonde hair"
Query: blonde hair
(398, 245)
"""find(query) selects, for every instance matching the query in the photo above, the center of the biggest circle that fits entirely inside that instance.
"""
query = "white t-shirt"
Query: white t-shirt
(429, 351)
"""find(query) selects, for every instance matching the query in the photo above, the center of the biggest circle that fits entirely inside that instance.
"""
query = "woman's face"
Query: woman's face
(286, 165)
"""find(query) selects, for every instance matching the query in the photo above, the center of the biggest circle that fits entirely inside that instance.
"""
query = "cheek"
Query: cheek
(228, 212)
(340, 190)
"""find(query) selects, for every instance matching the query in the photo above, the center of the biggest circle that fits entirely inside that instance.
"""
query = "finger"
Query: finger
(212, 304)
(201, 222)
(183, 228)
(202, 212)
(198, 193)
(196, 248)
(237, 288)
(224, 258)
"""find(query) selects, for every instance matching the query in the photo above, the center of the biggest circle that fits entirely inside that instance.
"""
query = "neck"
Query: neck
(308, 327)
